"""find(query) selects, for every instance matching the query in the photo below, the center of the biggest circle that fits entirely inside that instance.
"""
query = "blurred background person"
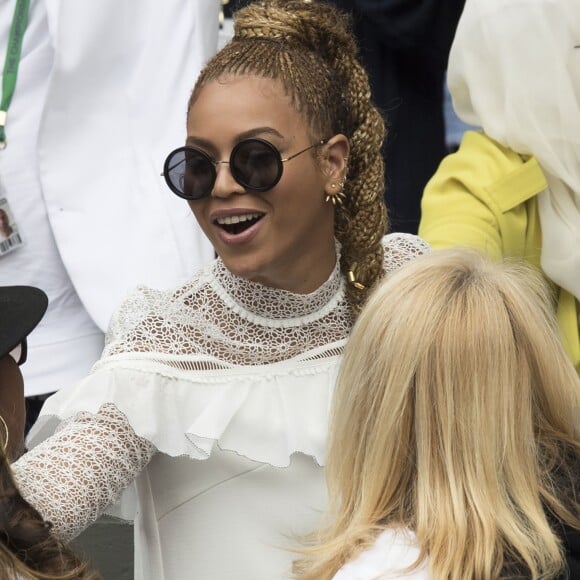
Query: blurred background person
(92, 116)
(513, 190)
(454, 126)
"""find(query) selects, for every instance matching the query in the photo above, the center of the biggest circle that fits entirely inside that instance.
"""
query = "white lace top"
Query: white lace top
(219, 364)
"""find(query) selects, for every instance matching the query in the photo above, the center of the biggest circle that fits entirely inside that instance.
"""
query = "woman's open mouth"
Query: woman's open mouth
(236, 224)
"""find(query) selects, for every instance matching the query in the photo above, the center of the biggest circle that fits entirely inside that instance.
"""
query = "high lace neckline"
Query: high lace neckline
(274, 303)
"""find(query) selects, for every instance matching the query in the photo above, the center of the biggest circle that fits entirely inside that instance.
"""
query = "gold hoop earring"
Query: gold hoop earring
(5, 446)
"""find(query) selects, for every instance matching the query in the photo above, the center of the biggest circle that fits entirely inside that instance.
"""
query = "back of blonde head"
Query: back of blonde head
(456, 415)
(308, 47)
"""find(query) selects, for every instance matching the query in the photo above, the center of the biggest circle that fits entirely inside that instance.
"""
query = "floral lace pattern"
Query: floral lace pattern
(238, 322)
(271, 304)
(74, 475)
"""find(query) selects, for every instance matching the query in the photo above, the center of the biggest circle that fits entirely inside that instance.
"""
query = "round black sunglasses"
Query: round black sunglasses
(255, 164)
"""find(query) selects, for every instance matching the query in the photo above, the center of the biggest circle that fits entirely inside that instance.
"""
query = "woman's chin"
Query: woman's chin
(244, 268)
(256, 272)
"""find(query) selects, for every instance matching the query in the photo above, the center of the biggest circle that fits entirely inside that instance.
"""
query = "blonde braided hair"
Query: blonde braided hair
(309, 48)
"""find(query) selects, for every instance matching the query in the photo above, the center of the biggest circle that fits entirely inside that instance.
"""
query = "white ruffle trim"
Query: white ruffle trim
(264, 413)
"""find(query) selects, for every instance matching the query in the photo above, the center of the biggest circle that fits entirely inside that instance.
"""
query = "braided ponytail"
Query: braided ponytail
(362, 221)
(309, 48)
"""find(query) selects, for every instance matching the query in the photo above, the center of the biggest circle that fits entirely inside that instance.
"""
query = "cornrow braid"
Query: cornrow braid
(308, 47)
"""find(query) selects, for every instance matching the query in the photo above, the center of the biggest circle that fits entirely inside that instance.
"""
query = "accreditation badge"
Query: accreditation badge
(10, 238)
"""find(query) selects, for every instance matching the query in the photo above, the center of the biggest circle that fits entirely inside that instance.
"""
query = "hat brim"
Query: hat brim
(21, 309)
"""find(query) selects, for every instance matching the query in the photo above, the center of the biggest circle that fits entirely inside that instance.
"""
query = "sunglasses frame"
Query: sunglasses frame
(167, 167)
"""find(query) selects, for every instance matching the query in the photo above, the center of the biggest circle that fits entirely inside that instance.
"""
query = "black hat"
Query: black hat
(21, 309)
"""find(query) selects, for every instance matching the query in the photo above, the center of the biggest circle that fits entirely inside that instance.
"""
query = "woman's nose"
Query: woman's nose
(225, 184)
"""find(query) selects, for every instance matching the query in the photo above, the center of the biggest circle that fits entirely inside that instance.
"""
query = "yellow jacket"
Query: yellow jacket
(484, 196)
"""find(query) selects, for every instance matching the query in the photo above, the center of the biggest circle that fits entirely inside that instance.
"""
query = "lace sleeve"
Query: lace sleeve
(74, 475)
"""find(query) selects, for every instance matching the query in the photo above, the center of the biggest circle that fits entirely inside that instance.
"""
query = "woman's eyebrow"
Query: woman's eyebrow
(260, 131)
(255, 132)
(191, 140)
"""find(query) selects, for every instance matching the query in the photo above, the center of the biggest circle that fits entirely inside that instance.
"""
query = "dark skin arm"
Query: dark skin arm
(12, 406)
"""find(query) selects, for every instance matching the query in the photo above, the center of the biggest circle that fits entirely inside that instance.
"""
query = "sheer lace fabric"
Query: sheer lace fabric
(73, 476)
(225, 319)
(264, 363)
(229, 321)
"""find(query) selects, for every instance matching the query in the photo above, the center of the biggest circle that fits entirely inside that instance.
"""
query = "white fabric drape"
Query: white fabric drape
(514, 70)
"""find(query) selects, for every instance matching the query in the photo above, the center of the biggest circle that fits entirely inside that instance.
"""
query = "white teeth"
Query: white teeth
(236, 219)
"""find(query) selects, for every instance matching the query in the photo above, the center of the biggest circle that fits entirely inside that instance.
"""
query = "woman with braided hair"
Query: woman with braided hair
(212, 400)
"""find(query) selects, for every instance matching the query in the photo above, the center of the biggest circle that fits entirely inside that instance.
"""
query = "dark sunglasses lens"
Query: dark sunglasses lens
(189, 173)
(256, 165)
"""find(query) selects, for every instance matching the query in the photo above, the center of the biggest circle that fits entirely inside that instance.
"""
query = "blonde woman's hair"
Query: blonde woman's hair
(308, 47)
(455, 415)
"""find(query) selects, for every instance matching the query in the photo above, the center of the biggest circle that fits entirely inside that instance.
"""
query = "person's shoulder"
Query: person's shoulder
(168, 294)
(400, 248)
(143, 302)
(468, 201)
(484, 158)
(392, 552)
(480, 144)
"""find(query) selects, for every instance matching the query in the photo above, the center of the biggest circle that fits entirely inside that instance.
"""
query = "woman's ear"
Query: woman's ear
(335, 163)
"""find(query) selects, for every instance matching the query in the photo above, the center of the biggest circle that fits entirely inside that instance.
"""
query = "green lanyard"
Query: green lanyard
(19, 22)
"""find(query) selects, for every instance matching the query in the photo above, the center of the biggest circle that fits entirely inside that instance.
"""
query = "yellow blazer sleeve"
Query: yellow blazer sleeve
(484, 196)
(477, 198)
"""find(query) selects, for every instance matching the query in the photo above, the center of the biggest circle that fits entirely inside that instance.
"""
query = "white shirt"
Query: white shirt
(393, 551)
